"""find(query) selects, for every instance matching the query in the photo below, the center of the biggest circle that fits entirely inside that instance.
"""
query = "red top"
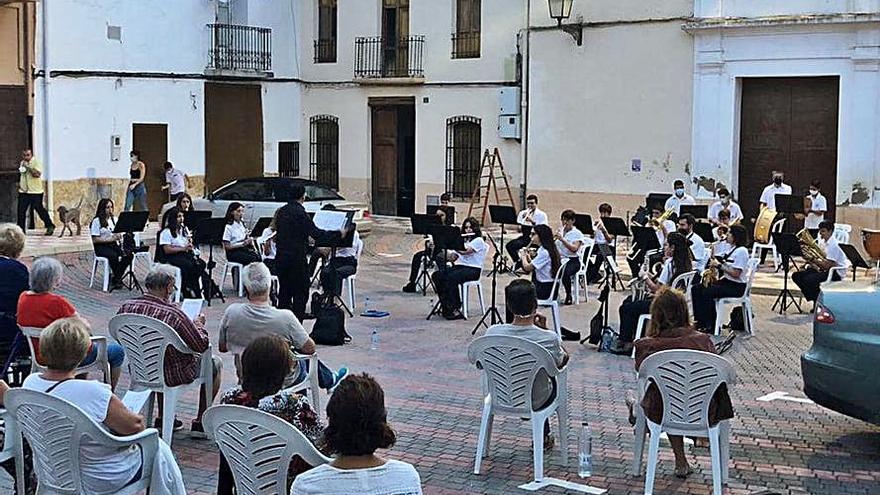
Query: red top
(40, 310)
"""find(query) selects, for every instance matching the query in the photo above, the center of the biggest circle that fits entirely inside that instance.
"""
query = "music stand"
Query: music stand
(422, 224)
(193, 218)
(332, 219)
(447, 209)
(446, 237)
(789, 205)
(854, 257)
(210, 232)
(128, 223)
(787, 245)
(698, 211)
(260, 226)
(504, 215)
(617, 227)
(584, 223)
(657, 201)
(704, 230)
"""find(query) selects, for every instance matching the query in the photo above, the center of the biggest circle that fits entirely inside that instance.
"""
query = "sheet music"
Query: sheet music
(330, 219)
(192, 307)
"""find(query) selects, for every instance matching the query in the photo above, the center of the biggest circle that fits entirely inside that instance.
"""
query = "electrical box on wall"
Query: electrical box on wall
(508, 101)
(115, 148)
(508, 126)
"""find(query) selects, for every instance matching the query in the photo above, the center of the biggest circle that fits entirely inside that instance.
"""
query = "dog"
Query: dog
(68, 216)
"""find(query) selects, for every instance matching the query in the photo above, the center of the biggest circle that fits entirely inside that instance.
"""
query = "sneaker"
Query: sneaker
(549, 442)
(569, 335)
(341, 373)
(178, 424)
(197, 430)
(409, 288)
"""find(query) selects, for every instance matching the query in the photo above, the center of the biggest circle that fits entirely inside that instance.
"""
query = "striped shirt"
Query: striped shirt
(179, 368)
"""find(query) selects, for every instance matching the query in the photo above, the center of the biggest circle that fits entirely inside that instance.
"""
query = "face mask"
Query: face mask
(683, 232)
(813, 192)
(679, 192)
(725, 201)
(777, 181)
(133, 159)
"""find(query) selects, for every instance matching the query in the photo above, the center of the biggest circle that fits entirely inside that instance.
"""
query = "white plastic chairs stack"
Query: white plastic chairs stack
(145, 340)
(258, 447)
(687, 380)
(510, 365)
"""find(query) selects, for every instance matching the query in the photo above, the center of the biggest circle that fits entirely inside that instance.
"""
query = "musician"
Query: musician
(543, 266)
(430, 251)
(678, 198)
(600, 237)
(183, 203)
(266, 242)
(569, 240)
(721, 246)
(768, 196)
(468, 266)
(662, 230)
(676, 261)
(343, 262)
(106, 243)
(698, 246)
(815, 215)
(810, 278)
(725, 202)
(237, 242)
(176, 248)
(731, 283)
(529, 217)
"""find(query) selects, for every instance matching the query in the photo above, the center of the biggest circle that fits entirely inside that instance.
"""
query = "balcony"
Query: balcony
(325, 51)
(379, 58)
(240, 49)
(466, 45)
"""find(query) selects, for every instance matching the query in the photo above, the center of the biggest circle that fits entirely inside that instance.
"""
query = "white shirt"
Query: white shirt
(698, 248)
(675, 202)
(768, 197)
(665, 276)
(543, 266)
(572, 236)
(175, 180)
(350, 252)
(722, 247)
(598, 235)
(538, 216)
(476, 258)
(391, 478)
(734, 209)
(833, 251)
(180, 240)
(739, 258)
(235, 232)
(813, 220)
(104, 469)
(661, 237)
(264, 238)
(96, 230)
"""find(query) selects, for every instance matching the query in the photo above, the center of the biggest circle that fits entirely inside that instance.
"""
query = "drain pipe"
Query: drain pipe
(47, 164)
(524, 110)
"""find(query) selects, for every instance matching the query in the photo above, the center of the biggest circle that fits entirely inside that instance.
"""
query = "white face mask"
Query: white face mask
(725, 201)
(813, 192)
(133, 159)
(679, 192)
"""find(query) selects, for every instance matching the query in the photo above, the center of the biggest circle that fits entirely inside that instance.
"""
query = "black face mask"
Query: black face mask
(684, 232)
(777, 181)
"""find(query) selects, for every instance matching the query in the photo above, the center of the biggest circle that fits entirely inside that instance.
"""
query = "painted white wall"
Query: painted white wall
(282, 110)
(762, 8)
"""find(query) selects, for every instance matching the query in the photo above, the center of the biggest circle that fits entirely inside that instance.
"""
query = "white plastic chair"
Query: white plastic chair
(757, 247)
(510, 366)
(553, 301)
(178, 282)
(841, 232)
(105, 263)
(348, 283)
(687, 380)
(101, 362)
(230, 268)
(258, 447)
(745, 301)
(839, 270)
(585, 254)
(683, 282)
(465, 290)
(142, 254)
(55, 430)
(10, 446)
(145, 341)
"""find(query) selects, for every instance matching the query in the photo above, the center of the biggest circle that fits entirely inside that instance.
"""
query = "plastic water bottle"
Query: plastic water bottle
(374, 340)
(585, 451)
(367, 305)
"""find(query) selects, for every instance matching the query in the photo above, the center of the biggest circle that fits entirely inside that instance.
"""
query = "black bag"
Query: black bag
(329, 326)
(736, 320)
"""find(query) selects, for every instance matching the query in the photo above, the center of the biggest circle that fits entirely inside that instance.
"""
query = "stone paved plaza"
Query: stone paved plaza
(433, 399)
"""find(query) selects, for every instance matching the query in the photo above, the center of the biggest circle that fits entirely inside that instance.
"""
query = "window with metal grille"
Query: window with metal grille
(288, 158)
(466, 38)
(324, 150)
(462, 155)
(325, 45)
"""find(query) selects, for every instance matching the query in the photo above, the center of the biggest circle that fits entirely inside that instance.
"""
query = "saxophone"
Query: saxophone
(811, 251)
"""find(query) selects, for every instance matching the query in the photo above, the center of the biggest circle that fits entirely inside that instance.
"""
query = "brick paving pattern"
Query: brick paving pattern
(433, 399)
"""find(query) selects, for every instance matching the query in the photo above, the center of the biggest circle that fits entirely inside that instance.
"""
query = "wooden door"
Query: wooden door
(152, 141)
(13, 140)
(790, 125)
(233, 133)
(395, 38)
(384, 160)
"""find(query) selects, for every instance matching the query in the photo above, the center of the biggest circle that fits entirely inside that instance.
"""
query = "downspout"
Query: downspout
(524, 109)
(47, 164)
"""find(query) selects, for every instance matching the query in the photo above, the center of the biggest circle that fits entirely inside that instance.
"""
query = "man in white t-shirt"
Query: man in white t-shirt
(810, 279)
(725, 202)
(529, 217)
(819, 205)
(768, 196)
(679, 197)
(698, 246)
(175, 182)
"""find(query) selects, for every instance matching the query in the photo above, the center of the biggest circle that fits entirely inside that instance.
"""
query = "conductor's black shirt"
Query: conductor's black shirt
(294, 227)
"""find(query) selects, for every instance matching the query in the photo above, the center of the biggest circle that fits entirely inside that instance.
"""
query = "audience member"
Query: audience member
(265, 363)
(180, 368)
(9, 464)
(244, 322)
(39, 307)
(13, 281)
(357, 426)
(671, 328)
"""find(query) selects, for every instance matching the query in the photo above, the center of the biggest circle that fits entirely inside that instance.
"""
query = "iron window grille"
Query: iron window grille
(463, 150)
(324, 150)
(288, 158)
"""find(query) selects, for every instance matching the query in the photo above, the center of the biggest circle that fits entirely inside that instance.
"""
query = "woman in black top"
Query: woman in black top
(136, 194)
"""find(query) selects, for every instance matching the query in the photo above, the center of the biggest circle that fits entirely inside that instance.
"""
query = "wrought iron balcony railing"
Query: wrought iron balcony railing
(378, 57)
(466, 45)
(325, 50)
(240, 48)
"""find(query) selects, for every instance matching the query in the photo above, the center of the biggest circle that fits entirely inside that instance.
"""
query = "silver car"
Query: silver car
(261, 196)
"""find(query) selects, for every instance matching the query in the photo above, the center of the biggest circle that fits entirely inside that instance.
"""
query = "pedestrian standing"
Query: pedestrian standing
(175, 182)
(136, 195)
(30, 191)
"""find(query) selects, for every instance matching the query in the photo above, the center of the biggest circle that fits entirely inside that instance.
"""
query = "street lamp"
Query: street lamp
(561, 10)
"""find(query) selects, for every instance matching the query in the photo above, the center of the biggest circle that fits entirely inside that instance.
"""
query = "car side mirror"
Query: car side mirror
(210, 196)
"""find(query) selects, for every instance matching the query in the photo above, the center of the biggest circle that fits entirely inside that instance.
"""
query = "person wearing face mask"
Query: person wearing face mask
(768, 196)
(818, 207)
(679, 198)
(725, 202)
(136, 194)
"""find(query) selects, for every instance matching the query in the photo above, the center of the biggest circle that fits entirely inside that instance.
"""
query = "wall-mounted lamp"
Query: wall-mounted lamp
(561, 10)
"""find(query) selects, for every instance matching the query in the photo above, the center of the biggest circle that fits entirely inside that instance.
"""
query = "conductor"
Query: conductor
(294, 229)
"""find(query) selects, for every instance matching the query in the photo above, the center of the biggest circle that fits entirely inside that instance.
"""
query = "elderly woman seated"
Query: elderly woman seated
(671, 328)
(63, 346)
(13, 281)
(264, 365)
(40, 306)
(357, 426)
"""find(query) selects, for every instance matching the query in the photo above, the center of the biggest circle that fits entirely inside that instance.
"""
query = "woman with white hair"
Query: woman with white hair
(13, 281)
(40, 307)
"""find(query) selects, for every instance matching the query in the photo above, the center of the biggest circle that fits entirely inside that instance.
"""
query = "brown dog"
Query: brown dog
(68, 216)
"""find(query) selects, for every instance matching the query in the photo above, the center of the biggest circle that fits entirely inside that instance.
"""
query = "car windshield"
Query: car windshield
(317, 192)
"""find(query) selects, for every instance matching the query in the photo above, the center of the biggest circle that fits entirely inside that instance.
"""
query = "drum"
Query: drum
(871, 241)
(763, 225)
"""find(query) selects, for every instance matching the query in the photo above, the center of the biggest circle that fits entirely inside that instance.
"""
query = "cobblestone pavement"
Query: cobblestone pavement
(433, 399)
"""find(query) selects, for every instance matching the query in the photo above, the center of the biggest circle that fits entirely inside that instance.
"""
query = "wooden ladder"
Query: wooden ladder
(488, 183)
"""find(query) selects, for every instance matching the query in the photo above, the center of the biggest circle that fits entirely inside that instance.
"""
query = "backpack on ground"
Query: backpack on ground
(329, 326)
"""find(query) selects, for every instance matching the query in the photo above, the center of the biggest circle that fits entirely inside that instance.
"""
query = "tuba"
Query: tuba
(810, 249)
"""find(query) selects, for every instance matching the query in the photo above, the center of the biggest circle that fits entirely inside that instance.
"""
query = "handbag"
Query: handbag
(329, 328)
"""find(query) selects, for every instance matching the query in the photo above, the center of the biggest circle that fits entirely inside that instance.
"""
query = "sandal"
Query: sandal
(683, 473)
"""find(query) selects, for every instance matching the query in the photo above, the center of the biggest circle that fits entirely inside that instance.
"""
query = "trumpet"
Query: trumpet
(657, 223)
